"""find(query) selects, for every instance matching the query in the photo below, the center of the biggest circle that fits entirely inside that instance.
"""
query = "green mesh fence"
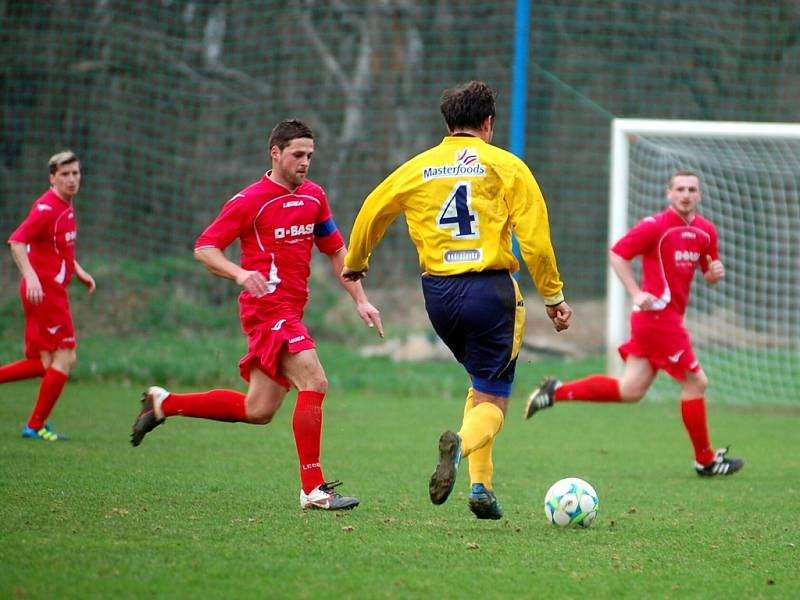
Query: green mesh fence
(169, 104)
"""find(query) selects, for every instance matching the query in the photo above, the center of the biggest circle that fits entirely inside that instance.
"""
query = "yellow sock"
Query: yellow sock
(468, 406)
(481, 467)
(480, 425)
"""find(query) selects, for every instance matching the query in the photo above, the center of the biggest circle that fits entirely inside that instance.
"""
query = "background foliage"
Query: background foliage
(169, 103)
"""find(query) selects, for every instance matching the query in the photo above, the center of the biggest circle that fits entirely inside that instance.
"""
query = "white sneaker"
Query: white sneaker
(324, 497)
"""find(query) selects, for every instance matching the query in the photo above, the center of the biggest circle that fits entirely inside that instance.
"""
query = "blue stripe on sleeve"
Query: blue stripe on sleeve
(325, 228)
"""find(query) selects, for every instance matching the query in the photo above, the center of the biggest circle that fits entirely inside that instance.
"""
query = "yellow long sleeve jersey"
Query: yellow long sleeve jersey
(461, 200)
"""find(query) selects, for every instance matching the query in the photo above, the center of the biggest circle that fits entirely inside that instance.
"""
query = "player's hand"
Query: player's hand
(560, 315)
(254, 282)
(349, 274)
(87, 280)
(644, 300)
(33, 290)
(716, 270)
(370, 315)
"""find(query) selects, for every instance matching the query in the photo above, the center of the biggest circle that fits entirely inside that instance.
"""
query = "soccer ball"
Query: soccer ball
(571, 502)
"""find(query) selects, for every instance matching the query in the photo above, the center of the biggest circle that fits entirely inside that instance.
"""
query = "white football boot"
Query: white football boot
(324, 497)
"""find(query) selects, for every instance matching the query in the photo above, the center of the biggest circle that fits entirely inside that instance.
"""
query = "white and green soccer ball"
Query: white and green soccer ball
(571, 502)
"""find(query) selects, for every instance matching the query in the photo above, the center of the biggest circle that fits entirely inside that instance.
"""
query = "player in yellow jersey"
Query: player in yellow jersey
(462, 199)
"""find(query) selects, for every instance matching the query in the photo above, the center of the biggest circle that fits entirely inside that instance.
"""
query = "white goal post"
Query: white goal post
(749, 325)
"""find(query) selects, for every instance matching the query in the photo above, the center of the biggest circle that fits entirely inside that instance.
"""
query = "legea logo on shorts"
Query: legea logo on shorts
(467, 164)
(299, 338)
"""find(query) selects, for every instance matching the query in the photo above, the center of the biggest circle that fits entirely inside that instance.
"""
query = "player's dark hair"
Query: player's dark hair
(59, 159)
(288, 130)
(467, 106)
(682, 173)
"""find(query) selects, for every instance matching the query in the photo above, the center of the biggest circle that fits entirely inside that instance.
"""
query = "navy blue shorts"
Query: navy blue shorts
(481, 318)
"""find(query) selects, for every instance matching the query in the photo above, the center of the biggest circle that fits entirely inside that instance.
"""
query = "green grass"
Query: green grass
(210, 510)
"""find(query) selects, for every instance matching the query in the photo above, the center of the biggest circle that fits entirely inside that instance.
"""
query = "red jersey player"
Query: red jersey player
(277, 220)
(672, 245)
(43, 247)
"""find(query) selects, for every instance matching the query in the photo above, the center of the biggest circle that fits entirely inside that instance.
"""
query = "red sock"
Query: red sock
(22, 369)
(595, 388)
(307, 426)
(49, 391)
(693, 412)
(217, 405)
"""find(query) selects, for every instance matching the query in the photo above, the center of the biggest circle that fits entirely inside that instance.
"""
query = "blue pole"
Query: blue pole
(519, 88)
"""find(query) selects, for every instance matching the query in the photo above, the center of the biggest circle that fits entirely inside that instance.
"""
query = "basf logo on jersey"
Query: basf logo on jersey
(467, 165)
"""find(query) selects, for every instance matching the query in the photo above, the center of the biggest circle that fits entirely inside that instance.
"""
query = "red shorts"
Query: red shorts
(266, 338)
(48, 326)
(666, 345)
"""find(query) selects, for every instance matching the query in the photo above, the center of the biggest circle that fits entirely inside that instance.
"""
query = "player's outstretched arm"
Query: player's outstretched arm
(368, 313)
(85, 278)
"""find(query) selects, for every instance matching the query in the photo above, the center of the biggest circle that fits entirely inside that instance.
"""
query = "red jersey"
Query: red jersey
(276, 229)
(671, 249)
(49, 232)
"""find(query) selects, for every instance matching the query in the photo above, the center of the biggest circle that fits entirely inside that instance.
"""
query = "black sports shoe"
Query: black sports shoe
(150, 416)
(720, 465)
(323, 496)
(483, 503)
(444, 477)
(541, 397)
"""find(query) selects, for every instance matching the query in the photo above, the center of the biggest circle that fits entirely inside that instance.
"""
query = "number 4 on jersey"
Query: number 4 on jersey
(456, 213)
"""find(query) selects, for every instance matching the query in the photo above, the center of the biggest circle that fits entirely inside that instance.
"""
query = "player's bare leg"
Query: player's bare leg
(636, 379)
(264, 398)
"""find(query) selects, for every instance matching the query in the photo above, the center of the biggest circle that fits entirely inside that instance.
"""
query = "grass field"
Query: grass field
(210, 510)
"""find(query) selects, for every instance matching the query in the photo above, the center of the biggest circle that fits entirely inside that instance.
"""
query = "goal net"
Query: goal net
(746, 329)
